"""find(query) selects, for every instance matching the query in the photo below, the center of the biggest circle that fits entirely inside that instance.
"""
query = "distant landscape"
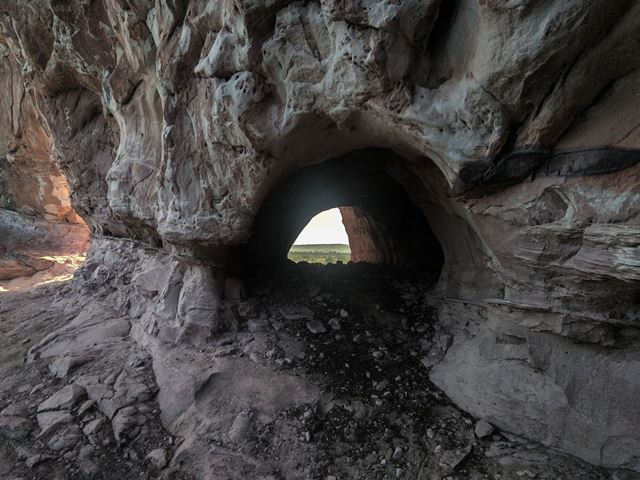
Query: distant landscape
(323, 253)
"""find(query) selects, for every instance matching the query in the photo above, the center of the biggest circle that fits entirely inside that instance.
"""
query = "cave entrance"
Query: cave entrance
(323, 240)
(383, 223)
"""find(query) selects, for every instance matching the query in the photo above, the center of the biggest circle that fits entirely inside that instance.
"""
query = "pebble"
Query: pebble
(240, 426)
(343, 313)
(334, 323)
(382, 385)
(157, 458)
(483, 429)
(397, 454)
(316, 327)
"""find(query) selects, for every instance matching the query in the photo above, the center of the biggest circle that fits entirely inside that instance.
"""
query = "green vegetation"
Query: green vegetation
(328, 253)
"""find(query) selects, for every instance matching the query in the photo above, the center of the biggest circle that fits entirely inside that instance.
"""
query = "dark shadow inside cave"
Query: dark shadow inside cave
(384, 225)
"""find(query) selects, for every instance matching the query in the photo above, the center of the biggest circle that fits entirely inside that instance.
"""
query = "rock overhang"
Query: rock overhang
(173, 124)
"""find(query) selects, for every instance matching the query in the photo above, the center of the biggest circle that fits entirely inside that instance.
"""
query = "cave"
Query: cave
(383, 224)
(159, 158)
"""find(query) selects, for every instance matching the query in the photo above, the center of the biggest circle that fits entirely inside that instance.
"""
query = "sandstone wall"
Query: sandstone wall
(173, 121)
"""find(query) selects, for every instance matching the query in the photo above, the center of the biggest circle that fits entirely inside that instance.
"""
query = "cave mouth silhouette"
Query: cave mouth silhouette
(383, 224)
(323, 240)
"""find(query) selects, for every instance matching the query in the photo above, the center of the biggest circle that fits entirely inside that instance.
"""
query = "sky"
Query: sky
(326, 227)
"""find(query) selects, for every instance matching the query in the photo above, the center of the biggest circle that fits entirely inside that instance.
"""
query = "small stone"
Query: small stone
(307, 436)
(397, 454)
(450, 459)
(15, 428)
(430, 433)
(382, 386)
(157, 458)
(483, 429)
(316, 326)
(240, 426)
(334, 323)
(343, 313)
(63, 399)
(398, 472)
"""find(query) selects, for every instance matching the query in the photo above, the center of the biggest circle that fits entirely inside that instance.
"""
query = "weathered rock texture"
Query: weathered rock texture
(515, 127)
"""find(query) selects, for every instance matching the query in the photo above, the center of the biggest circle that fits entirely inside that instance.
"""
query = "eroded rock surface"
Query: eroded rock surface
(347, 402)
(513, 128)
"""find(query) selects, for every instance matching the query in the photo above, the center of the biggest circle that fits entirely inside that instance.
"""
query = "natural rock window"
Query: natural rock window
(382, 222)
(323, 240)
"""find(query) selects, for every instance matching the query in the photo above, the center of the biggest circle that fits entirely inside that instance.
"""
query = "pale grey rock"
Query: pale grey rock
(50, 421)
(316, 327)
(62, 366)
(125, 424)
(63, 399)
(334, 323)
(450, 459)
(483, 429)
(397, 454)
(240, 426)
(157, 458)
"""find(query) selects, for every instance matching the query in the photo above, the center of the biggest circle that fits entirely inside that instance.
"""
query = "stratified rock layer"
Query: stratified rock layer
(515, 129)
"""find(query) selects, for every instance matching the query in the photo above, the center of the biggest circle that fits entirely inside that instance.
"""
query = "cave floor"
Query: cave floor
(321, 376)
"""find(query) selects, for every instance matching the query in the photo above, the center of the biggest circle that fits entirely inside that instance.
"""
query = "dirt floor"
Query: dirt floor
(340, 353)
